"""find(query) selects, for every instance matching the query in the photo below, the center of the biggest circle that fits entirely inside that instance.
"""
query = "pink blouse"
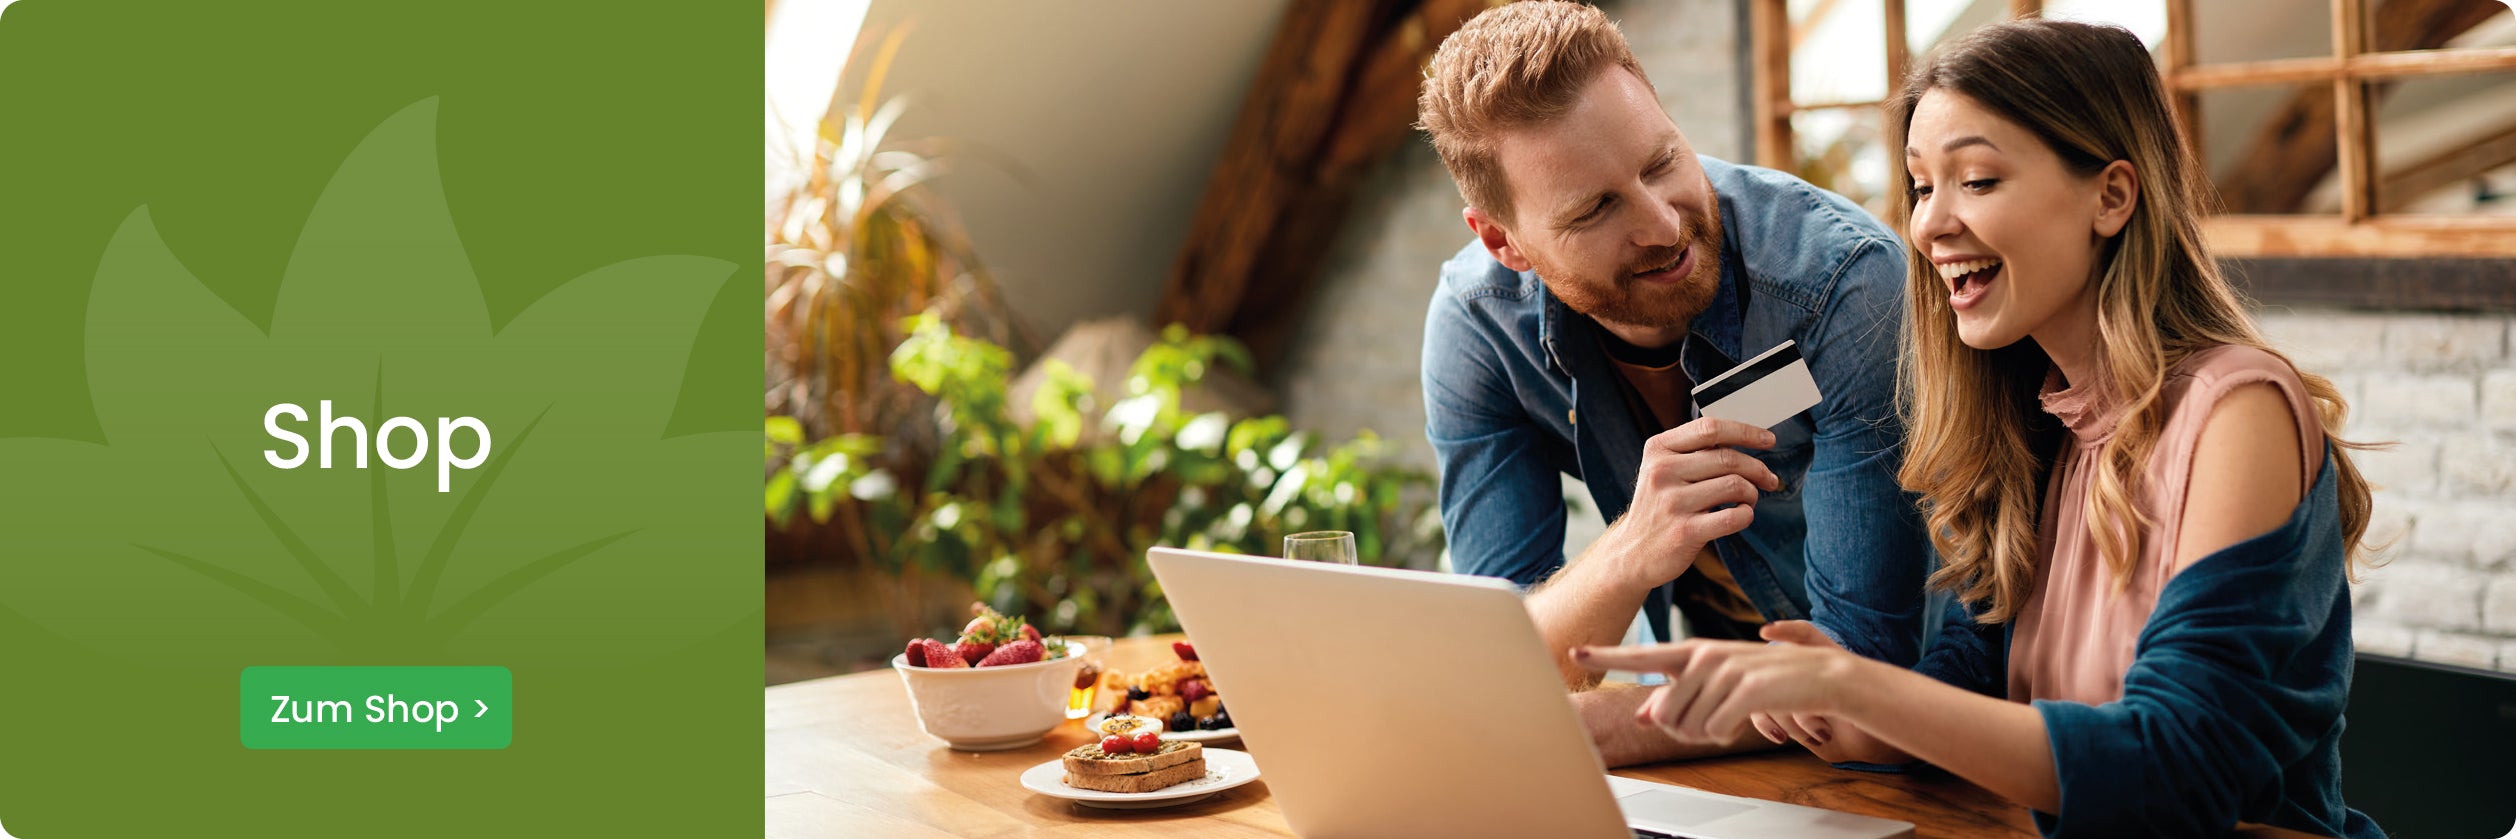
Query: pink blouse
(2074, 636)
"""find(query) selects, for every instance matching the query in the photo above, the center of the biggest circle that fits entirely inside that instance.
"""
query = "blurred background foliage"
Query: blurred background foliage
(1045, 519)
(900, 478)
(855, 246)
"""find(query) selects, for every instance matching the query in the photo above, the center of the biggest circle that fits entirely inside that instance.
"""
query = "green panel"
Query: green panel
(530, 214)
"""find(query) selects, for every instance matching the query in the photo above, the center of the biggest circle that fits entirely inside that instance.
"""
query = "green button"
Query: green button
(376, 707)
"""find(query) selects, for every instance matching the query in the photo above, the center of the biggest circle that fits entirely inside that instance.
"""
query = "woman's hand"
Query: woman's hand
(1808, 730)
(1830, 739)
(1715, 685)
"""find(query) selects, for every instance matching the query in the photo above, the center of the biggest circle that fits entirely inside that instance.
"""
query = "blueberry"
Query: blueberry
(1221, 719)
(1138, 694)
(1181, 722)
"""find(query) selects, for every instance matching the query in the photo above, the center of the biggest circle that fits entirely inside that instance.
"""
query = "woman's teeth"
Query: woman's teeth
(1954, 270)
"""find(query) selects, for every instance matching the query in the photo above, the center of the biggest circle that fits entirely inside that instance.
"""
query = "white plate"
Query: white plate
(1220, 735)
(1225, 769)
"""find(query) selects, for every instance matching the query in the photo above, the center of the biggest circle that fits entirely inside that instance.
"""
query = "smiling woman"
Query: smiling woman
(2146, 514)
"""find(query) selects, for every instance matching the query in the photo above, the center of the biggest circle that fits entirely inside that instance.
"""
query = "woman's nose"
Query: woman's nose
(1932, 220)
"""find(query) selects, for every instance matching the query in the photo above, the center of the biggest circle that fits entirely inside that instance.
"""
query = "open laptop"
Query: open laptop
(1383, 702)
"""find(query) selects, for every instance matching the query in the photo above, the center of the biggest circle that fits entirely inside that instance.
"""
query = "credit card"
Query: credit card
(1772, 387)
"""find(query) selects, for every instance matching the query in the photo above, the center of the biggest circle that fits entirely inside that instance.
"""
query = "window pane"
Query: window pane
(1929, 23)
(2272, 149)
(1838, 51)
(2145, 18)
(2261, 29)
(2435, 24)
(2446, 145)
(1841, 149)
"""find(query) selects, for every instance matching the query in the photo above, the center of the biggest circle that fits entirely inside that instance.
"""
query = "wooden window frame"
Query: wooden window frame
(2361, 231)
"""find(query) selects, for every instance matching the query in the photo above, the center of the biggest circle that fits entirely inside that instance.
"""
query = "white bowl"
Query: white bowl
(985, 709)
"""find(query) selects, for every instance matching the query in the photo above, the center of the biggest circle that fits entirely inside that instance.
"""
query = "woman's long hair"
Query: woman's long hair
(1979, 444)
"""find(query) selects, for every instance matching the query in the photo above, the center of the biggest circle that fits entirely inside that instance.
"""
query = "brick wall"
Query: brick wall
(2442, 389)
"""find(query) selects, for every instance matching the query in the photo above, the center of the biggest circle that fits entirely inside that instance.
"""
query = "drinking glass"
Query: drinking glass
(1335, 546)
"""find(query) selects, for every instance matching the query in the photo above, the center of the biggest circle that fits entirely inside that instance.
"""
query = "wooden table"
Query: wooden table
(846, 759)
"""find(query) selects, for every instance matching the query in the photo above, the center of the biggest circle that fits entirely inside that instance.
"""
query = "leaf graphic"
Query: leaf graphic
(211, 536)
(462, 613)
(297, 608)
(322, 574)
(387, 575)
(380, 264)
(434, 565)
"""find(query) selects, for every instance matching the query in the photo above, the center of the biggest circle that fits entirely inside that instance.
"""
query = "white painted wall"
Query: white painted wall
(1089, 126)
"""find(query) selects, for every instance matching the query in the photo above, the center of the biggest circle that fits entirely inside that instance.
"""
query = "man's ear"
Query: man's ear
(1497, 240)
(2118, 194)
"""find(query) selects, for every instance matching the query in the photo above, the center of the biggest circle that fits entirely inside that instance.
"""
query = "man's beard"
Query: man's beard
(1628, 301)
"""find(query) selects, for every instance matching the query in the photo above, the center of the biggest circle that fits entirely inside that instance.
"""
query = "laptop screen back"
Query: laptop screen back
(1382, 702)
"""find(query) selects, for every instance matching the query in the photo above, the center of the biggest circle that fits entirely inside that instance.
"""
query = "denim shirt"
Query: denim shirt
(2232, 708)
(1518, 389)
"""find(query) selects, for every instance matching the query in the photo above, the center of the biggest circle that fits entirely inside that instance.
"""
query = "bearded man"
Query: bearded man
(1614, 269)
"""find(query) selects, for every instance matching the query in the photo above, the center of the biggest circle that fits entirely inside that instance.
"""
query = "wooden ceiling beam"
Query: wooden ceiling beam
(2299, 144)
(2447, 168)
(1335, 94)
(1290, 108)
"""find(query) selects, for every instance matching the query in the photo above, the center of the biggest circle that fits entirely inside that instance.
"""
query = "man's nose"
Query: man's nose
(1664, 227)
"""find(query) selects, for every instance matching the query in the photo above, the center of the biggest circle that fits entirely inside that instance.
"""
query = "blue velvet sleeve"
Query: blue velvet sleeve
(2232, 708)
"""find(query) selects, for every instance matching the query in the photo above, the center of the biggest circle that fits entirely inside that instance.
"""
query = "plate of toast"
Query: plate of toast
(1179, 772)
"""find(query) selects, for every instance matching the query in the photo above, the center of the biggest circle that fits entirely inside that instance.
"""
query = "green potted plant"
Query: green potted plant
(1050, 522)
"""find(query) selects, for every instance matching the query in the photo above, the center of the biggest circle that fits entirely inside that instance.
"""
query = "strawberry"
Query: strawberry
(917, 652)
(973, 651)
(1186, 653)
(990, 631)
(1018, 652)
(940, 655)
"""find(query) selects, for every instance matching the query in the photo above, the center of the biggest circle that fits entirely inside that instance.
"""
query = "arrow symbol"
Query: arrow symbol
(484, 708)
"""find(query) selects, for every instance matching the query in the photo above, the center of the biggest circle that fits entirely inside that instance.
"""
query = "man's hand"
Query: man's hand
(1694, 486)
(1686, 472)
(1608, 714)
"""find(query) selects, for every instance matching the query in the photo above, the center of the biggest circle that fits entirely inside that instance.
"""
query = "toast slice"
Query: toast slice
(1088, 759)
(1143, 782)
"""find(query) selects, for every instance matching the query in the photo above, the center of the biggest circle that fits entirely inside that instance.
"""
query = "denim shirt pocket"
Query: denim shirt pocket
(1793, 448)
(1767, 558)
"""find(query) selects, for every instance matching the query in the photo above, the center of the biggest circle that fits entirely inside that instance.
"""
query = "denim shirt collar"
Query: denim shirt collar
(1718, 330)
